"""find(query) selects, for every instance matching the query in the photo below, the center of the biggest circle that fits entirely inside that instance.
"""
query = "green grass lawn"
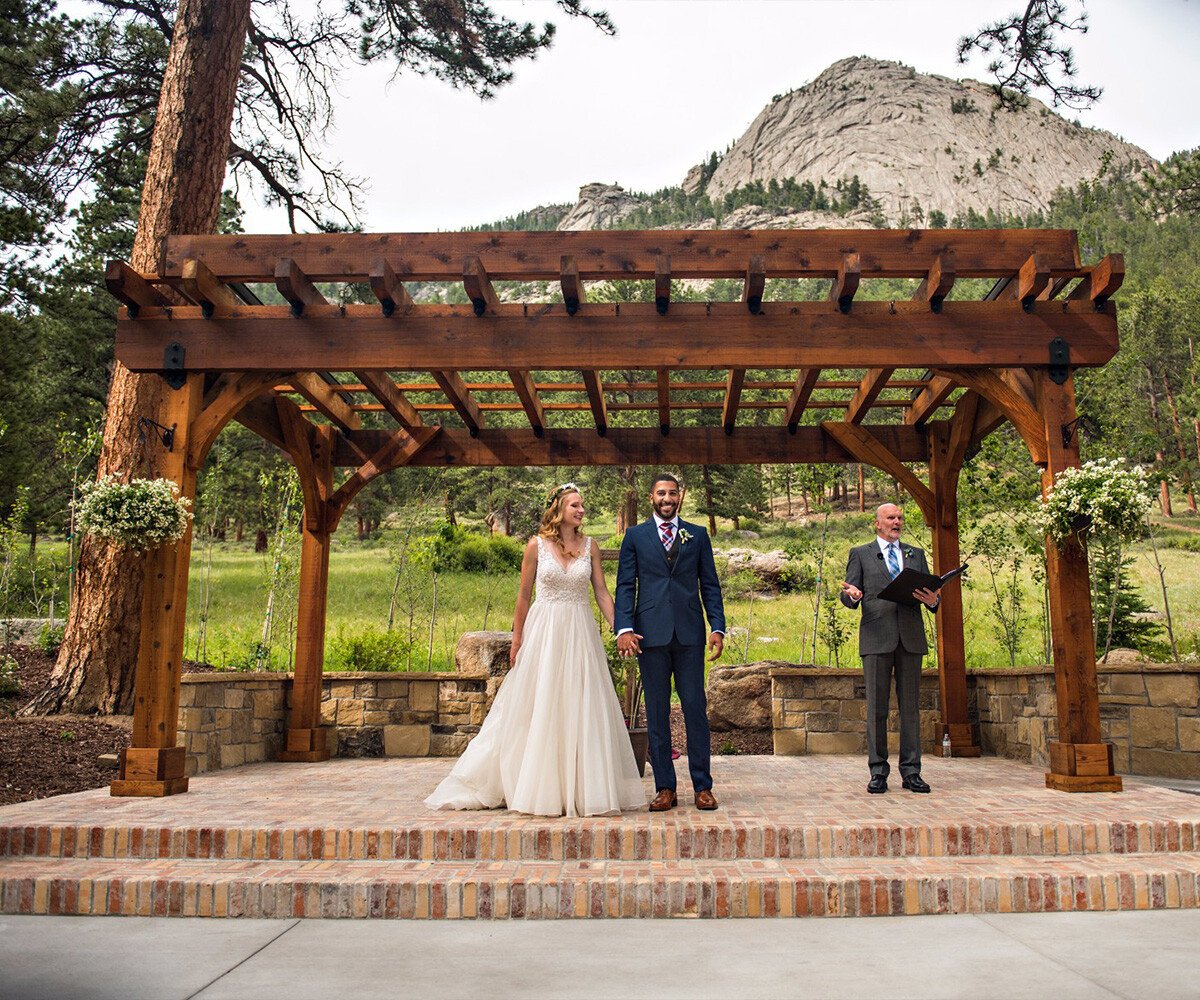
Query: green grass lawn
(362, 578)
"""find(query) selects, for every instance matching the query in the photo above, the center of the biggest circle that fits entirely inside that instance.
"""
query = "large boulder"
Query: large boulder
(739, 697)
(483, 654)
(767, 567)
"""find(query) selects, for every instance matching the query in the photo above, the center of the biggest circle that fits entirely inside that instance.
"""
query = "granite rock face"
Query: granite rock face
(915, 138)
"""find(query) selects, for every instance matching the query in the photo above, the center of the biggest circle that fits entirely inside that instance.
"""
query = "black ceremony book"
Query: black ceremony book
(900, 590)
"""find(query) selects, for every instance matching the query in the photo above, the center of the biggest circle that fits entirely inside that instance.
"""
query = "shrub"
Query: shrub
(50, 638)
(491, 554)
(10, 682)
(371, 650)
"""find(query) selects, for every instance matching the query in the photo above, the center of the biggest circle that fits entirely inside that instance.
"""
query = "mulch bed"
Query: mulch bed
(51, 755)
(736, 741)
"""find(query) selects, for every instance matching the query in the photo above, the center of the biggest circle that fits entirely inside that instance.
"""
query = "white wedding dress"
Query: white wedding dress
(555, 741)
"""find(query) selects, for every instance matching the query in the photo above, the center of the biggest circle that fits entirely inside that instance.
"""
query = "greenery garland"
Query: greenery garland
(140, 514)
(1104, 498)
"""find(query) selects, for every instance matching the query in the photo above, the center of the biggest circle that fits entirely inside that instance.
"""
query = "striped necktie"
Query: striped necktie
(893, 560)
(667, 529)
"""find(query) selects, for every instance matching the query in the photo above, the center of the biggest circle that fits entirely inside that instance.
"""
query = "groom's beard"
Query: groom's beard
(666, 509)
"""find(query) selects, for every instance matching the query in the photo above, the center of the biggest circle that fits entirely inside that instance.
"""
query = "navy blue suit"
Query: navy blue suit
(664, 596)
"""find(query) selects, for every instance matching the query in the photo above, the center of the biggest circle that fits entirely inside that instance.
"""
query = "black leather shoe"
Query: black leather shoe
(915, 783)
(877, 785)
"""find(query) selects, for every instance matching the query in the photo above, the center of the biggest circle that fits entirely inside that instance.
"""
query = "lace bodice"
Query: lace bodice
(556, 585)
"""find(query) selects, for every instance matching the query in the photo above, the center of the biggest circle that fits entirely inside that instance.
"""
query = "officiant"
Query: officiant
(891, 642)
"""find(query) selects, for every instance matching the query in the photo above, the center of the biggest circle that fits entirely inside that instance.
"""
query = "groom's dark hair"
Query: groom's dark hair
(664, 477)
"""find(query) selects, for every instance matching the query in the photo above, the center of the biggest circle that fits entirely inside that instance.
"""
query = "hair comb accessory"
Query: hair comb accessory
(559, 491)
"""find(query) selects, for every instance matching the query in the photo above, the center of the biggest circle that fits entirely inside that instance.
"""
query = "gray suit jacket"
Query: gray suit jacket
(885, 624)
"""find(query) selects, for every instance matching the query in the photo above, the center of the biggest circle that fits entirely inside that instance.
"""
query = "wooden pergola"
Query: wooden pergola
(302, 374)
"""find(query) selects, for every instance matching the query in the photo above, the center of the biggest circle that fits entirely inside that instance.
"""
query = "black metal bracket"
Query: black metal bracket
(572, 305)
(173, 373)
(1080, 423)
(479, 305)
(166, 434)
(662, 303)
(754, 304)
(1060, 361)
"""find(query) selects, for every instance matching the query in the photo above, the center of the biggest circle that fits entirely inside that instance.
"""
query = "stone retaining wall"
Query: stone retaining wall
(227, 719)
(1149, 712)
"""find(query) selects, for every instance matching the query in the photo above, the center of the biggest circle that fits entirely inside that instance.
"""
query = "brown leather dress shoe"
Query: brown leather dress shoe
(706, 800)
(664, 800)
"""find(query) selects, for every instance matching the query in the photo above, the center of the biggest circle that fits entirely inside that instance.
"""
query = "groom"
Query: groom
(665, 572)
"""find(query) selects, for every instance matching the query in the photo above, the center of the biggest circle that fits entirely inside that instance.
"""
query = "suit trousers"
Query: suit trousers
(686, 664)
(879, 670)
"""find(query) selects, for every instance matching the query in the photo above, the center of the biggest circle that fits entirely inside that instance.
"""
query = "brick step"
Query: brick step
(497, 890)
(640, 837)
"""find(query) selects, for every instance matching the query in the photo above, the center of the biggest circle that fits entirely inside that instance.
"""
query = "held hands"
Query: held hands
(852, 592)
(716, 645)
(629, 644)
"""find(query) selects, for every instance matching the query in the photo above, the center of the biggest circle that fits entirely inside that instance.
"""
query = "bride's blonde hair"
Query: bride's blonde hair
(551, 526)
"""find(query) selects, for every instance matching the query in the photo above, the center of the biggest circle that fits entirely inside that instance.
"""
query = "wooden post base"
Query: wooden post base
(306, 746)
(151, 788)
(151, 771)
(1082, 767)
(1083, 782)
(962, 741)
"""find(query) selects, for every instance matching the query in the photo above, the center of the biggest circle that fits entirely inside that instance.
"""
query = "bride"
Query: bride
(554, 742)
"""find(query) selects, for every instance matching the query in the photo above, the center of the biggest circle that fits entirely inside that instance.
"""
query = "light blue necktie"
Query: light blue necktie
(893, 560)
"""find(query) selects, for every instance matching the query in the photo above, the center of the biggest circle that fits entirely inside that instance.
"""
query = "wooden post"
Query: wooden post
(945, 462)
(153, 765)
(307, 739)
(1079, 761)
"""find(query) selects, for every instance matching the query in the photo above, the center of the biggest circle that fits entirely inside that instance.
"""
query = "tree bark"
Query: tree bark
(1184, 473)
(627, 510)
(182, 194)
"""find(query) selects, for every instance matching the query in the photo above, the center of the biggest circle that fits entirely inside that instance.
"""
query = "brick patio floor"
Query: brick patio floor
(793, 836)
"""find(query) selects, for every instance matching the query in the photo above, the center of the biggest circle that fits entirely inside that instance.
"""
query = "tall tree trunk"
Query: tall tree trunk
(706, 477)
(1185, 473)
(627, 510)
(1164, 488)
(182, 194)
(862, 496)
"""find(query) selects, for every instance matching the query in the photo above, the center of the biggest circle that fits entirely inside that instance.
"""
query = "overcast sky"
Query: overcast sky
(685, 77)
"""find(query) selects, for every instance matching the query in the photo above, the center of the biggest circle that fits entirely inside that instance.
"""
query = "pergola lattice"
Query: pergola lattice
(1006, 357)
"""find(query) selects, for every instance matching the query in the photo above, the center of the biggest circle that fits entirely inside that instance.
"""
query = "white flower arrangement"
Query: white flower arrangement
(139, 514)
(684, 536)
(1102, 498)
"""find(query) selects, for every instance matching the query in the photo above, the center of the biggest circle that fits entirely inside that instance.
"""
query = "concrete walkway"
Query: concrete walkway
(1064, 955)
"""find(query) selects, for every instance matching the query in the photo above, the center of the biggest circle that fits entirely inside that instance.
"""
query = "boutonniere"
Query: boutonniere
(908, 553)
(684, 536)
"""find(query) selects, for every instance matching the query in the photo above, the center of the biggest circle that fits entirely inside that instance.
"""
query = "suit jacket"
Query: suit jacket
(885, 625)
(661, 594)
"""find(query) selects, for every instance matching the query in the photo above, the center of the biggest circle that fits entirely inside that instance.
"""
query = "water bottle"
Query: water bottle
(946, 745)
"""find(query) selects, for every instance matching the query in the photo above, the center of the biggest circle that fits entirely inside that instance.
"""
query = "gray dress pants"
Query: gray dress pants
(879, 669)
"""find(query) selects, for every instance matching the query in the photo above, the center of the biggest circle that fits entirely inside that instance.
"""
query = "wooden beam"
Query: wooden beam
(595, 392)
(845, 284)
(664, 401)
(396, 451)
(755, 283)
(572, 285)
(662, 283)
(296, 287)
(799, 253)
(733, 396)
(389, 289)
(936, 285)
(806, 381)
(1032, 280)
(221, 404)
(204, 288)
(576, 446)
(128, 287)
(926, 402)
(261, 416)
(451, 384)
(1102, 281)
(478, 286)
(1011, 400)
(381, 386)
(318, 392)
(530, 401)
(692, 335)
(870, 450)
(873, 383)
